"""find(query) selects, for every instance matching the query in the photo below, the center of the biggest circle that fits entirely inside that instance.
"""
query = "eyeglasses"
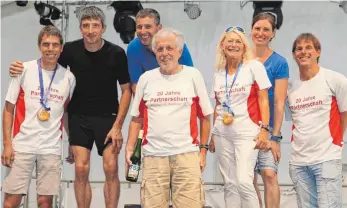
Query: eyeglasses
(232, 28)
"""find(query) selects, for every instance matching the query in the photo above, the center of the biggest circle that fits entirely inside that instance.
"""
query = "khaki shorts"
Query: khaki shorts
(48, 169)
(181, 173)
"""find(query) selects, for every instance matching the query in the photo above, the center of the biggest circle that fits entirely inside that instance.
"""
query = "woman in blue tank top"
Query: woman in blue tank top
(263, 31)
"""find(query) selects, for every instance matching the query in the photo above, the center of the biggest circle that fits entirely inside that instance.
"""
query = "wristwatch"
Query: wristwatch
(203, 146)
(266, 127)
(276, 138)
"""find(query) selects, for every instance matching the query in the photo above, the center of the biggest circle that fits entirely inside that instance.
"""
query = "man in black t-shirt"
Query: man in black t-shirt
(94, 111)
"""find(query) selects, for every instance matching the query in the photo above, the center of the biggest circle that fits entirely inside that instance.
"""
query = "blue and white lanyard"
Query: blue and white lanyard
(44, 98)
(225, 105)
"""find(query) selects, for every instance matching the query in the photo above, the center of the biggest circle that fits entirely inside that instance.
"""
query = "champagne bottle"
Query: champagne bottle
(134, 168)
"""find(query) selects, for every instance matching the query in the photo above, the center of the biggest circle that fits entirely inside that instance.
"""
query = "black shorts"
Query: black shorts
(84, 130)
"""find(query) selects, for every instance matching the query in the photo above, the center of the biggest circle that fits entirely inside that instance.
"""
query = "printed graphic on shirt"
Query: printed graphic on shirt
(235, 90)
(54, 94)
(307, 103)
(168, 98)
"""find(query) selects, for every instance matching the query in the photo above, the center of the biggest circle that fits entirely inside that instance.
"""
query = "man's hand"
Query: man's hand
(128, 153)
(211, 146)
(70, 158)
(16, 68)
(7, 156)
(261, 140)
(203, 152)
(276, 150)
(115, 135)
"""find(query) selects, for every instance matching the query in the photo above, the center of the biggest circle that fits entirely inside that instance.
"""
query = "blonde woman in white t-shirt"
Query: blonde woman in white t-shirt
(241, 116)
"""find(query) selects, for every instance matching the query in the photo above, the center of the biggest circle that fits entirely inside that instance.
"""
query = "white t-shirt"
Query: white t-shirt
(315, 107)
(243, 100)
(30, 134)
(170, 106)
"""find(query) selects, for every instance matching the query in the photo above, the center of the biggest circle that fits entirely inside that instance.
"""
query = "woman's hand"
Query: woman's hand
(261, 139)
(211, 146)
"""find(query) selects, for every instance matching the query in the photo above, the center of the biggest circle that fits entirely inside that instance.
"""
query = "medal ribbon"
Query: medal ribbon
(225, 105)
(44, 98)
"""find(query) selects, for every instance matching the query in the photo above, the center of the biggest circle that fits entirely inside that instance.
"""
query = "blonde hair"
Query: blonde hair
(221, 60)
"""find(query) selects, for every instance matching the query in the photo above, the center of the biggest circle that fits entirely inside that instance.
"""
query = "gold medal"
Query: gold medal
(43, 115)
(228, 118)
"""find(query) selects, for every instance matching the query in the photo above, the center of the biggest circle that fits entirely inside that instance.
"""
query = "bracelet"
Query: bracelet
(266, 127)
(276, 138)
(203, 146)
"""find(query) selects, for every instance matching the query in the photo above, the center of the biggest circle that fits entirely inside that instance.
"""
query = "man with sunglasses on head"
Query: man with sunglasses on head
(141, 57)
(318, 107)
(95, 115)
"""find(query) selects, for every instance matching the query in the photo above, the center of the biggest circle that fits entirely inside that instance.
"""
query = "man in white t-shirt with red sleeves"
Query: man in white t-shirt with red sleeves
(35, 105)
(168, 103)
(318, 106)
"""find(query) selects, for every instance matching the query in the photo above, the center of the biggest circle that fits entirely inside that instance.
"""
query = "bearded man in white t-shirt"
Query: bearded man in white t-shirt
(168, 103)
(318, 105)
(34, 108)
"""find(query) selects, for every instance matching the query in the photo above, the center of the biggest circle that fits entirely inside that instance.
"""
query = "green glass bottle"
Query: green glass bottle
(134, 169)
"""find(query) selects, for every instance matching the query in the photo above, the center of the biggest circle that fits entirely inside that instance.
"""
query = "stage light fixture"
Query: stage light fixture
(343, 5)
(124, 19)
(47, 13)
(21, 3)
(193, 10)
(272, 7)
(45, 21)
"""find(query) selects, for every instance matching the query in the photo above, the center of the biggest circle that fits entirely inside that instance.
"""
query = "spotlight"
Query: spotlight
(21, 3)
(272, 7)
(127, 26)
(123, 22)
(343, 5)
(44, 21)
(55, 13)
(47, 12)
(193, 10)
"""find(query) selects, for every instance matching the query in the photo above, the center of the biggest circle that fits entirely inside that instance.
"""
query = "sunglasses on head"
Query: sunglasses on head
(232, 28)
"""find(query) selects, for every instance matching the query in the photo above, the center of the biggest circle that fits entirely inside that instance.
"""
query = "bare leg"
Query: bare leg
(256, 186)
(272, 189)
(83, 191)
(112, 185)
(12, 200)
(45, 201)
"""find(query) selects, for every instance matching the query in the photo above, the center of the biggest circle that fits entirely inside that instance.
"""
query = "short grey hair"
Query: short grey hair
(165, 32)
(148, 12)
(92, 12)
(50, 30)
